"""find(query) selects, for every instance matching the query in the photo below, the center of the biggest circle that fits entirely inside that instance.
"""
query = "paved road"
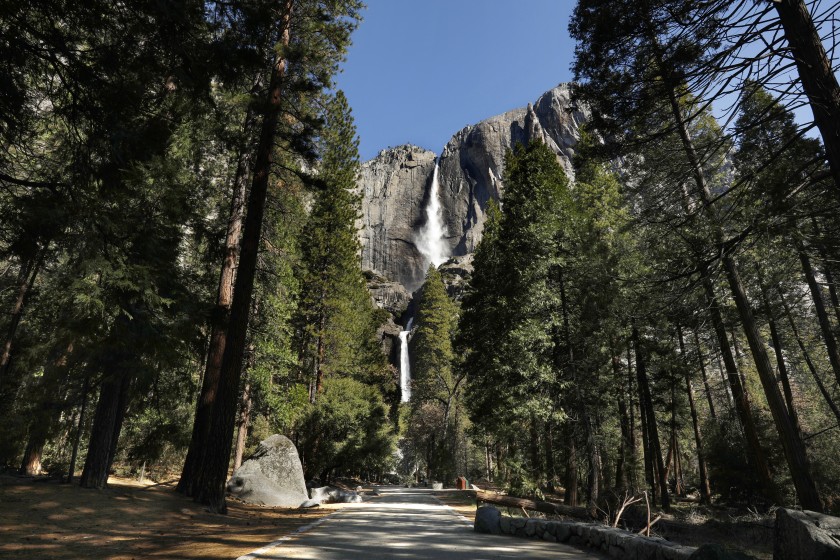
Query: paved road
(408, 524)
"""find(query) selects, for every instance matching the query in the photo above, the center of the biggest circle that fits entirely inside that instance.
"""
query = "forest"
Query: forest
(180, 271)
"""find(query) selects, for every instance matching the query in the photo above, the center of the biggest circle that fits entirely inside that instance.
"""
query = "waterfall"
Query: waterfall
(405, 367)
(430, 241)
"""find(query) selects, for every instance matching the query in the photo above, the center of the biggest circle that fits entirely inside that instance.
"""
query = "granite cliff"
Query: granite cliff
(395, 187)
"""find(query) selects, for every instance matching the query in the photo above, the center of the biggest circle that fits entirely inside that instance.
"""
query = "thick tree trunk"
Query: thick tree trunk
(653, 431)
(816, 75)
(543, 507)
(107, 424)
(216, 455)
(822, 315)
(31, 464)
(219, 322)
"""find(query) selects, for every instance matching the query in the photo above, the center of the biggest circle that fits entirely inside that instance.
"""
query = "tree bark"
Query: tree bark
(216, 455)
(816, 75)
(107, 424)
(653, 431)
(220, 321)
(543, 507)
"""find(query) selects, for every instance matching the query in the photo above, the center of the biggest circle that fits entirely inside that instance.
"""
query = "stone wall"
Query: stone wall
(616, 543)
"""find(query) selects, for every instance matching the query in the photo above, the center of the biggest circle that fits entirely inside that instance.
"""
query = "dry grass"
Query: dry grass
(48, 520)
(462, 501)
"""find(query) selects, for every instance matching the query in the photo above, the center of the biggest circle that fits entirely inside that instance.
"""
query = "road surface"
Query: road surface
(407, 524)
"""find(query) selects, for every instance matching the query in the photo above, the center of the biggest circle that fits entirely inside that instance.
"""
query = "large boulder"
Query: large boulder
(806, 535)
(272, 476)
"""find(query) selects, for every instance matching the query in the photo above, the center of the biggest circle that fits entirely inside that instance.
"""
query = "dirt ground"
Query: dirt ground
(42, 519)
(461, 501)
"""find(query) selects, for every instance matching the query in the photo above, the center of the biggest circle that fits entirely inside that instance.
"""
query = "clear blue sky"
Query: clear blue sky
(420, 70)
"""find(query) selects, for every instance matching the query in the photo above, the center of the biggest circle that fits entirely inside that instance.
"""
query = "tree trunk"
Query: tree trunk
(220, 321)
(550, 468)
(816, 75)
(622, 462)
(829, 275)
(706, 387)
(570, 497)
(71, 470)
(822, 315)
(794, 448)
(632, 453)
(107, 424)
(31, 464)
(820, 385)
(26, 279)
(705, 490)
(780, 361)
(244, 419)
(653, 431)
(543, 507)
(216, 456)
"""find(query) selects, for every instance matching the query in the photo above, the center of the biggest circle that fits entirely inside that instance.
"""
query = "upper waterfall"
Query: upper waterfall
(431, 238)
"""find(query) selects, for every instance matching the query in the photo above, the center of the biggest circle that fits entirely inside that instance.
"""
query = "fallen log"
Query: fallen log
(522, 503)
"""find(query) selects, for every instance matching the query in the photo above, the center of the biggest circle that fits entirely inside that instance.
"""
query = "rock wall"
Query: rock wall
(395, 184)
(616, 543)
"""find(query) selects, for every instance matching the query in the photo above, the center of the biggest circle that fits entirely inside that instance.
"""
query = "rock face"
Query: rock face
(395, 185)
(802, 535)
(273, 476)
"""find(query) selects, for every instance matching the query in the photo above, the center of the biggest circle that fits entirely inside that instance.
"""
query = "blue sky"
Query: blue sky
(420, 70)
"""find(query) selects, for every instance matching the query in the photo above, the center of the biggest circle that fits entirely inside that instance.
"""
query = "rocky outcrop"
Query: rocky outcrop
(472, 162)
(393, 187)
(456, 273)
(802, 535)
(272, 476)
